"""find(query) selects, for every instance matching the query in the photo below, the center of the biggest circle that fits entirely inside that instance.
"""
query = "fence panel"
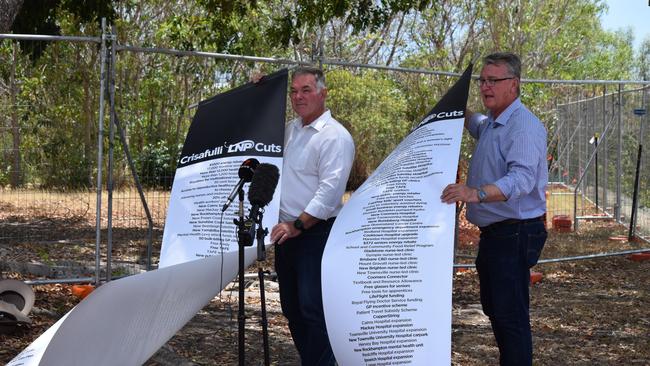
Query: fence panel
(596, 135)
(48, 139)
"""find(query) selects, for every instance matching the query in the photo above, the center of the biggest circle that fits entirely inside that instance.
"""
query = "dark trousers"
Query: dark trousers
(298, 265)
(505, 255)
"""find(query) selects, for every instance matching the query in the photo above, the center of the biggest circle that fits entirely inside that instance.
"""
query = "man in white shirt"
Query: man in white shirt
(318, 157)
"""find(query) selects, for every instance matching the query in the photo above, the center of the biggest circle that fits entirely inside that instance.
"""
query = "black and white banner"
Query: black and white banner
(126, 321)
(387, 267)
(246, 122)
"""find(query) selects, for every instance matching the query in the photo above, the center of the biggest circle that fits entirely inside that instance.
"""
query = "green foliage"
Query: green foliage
(4, 176)
(44, 255)
(300, 17)
(373, 109)
(221, 26)
(48, 122)
(57, 94)
(643, 60)
(44, 17)
(157, 164)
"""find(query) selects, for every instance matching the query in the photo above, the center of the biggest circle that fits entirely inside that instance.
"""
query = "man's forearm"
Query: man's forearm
(308, 220)
(494, 194)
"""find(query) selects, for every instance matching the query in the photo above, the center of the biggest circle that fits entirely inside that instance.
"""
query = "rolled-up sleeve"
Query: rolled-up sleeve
(334, 165)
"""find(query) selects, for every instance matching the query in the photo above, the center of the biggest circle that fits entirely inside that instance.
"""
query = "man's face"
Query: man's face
(306, 100)
(498, 97)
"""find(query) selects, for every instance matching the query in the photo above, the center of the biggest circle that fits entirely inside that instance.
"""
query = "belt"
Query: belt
(509, 222)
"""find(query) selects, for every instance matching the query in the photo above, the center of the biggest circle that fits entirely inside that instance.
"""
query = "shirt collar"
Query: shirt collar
(316, 124)
(505, 115)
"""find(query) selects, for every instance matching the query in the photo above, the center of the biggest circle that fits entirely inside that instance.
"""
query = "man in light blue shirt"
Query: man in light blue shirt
(505, 196)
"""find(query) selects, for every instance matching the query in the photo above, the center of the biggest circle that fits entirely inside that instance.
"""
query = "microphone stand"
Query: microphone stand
(261, 256)
(243, 235)
(245, 229)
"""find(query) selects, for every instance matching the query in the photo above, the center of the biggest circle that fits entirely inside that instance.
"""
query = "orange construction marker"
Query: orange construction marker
(81, 291)
(639, 257)
(535, 277)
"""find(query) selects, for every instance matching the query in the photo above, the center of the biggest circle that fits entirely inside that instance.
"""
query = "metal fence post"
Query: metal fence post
(100, 148)
(567, 163)
(619, 156)
(109, 173)
(605, 153)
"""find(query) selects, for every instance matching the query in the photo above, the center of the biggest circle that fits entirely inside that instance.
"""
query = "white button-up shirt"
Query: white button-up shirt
(317, 162)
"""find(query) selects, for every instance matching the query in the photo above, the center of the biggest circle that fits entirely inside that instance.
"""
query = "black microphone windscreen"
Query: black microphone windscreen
(263, 184)
(247, 169)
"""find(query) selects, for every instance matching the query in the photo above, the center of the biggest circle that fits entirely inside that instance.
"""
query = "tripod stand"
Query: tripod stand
(247, 228)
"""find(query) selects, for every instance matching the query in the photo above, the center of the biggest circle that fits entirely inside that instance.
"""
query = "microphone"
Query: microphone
(246, 173)
(260, 192)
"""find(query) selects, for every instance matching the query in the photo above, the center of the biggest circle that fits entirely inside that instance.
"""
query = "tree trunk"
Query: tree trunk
(8, 11)
(88, 118)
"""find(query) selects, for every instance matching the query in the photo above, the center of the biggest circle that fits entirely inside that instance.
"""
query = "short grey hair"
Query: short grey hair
(316, 72)
(511, 60)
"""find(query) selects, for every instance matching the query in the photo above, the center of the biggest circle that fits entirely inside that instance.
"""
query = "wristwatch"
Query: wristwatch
(298, 224)
(481, 195)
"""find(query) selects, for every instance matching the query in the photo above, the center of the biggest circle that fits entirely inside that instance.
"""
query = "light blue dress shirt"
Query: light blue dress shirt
(511, 154)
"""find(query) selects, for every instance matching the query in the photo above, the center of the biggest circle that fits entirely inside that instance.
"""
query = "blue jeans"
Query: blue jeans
(505, 256)
(298, 265)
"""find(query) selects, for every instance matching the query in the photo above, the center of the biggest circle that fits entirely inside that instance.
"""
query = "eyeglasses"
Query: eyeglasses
(491, 82)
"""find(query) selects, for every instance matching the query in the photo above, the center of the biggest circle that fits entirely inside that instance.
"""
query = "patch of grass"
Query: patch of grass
(44, 255)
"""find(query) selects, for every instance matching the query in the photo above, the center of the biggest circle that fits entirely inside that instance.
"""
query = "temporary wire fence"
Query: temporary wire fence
(597, 151)
(68, 218)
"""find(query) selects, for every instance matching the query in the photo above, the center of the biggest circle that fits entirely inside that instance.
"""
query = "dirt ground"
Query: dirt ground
(586, 312)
